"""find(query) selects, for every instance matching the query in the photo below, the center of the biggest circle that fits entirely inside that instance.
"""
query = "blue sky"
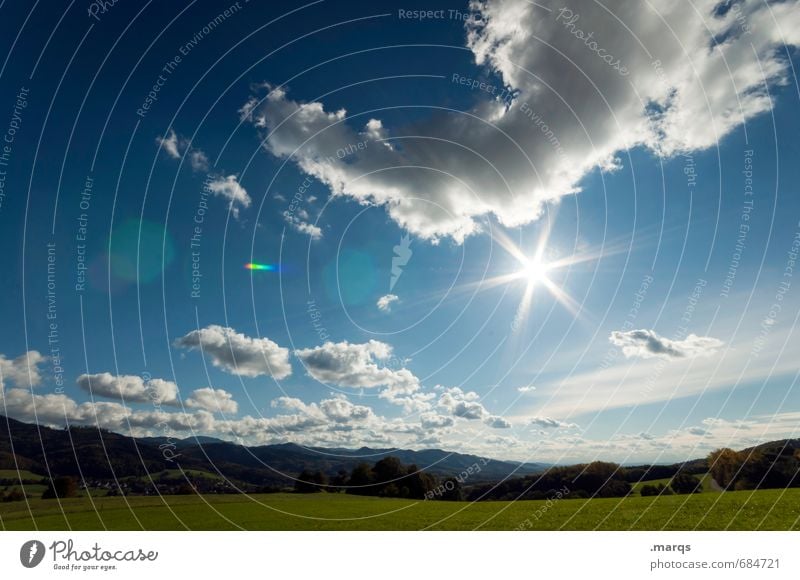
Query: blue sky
(600, 265)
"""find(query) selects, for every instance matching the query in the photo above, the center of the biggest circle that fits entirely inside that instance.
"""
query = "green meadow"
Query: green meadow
(739, 510)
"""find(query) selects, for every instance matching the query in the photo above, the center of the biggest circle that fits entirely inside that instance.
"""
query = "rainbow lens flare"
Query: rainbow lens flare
(267, 267)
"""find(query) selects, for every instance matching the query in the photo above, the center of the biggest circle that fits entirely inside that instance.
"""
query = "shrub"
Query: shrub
(686, 483)
(61, 487)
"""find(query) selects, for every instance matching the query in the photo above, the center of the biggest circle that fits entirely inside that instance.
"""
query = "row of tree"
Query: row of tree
(596, 479)
(682, 483)
(387, 478)
(758, 468)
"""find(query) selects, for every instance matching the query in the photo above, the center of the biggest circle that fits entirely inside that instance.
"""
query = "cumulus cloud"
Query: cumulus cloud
(345, 364)
(698, 431)
(385, 302)
(526, 389)
(462, 404)
(237, 354)
(435, 421)
(550, 423)
(22, 371)
(690, 77)
(230, 189)
(198, 160)
(176, 146)
(213, 401)
(354, 365)
(648, 344)
(496, 422)
(171, 144)
(466, 405)
(303, 227)
(129, 388)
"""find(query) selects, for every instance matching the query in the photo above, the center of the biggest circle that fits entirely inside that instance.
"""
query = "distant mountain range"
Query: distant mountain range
(91, 453)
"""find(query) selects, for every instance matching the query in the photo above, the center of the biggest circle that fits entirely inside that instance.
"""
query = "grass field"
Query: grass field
(741, 510)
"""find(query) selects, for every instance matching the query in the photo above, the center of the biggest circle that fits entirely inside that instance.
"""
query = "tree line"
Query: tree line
(386, 478)
(776, 466)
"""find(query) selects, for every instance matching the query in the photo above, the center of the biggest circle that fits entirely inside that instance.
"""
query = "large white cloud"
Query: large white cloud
(688, 74)
(237, 353)
(213, 401)
(346, 364)
(467, 405)
(130, 388)
(644, 343)
(354, 365)
(22, 371)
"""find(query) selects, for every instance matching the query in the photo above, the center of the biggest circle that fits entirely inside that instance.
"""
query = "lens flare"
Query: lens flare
(266, 267)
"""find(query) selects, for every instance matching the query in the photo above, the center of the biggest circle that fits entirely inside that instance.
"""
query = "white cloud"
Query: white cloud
(198, 160)
(496, 422)
(22, 371)
(176, 146)
(698, 431)
(526, 389)
(238, 354)
(466, 405)
(435, 421)
(213, 401)
(648, 344)
(345, 364)
(303, 227)
(341, 410)
(230, 189)
(550, 423)
(385, 302)
(130, 388)
(354, 365)
(171, 144)
(692, 78)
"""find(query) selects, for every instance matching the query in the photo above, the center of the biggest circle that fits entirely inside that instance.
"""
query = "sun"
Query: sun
(534, 271)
